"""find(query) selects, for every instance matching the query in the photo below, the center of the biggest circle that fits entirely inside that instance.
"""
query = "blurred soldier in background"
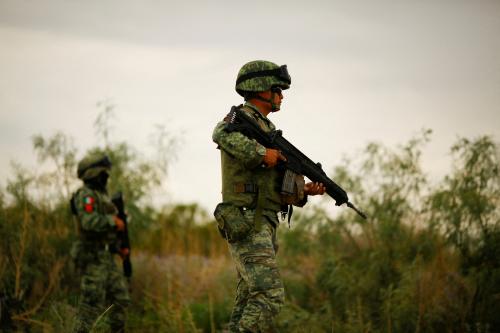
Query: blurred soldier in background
(102, 285)
(251, 183)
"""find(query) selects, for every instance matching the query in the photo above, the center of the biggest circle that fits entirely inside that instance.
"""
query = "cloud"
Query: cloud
(361, 71)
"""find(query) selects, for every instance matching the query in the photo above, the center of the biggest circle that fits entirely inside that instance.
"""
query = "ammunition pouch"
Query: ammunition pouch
(232, 223)
(292, 189)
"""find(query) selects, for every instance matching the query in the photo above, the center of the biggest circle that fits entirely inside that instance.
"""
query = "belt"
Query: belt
(98, 247)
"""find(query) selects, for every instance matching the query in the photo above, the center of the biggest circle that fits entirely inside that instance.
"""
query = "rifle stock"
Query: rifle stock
(297, 161)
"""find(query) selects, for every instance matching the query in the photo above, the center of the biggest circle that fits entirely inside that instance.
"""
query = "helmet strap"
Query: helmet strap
(274, 106)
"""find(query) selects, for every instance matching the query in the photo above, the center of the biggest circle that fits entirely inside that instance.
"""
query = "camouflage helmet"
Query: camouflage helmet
(261, 75)
(92, 165)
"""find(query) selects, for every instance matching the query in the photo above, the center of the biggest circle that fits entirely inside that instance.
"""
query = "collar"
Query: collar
(257, 112)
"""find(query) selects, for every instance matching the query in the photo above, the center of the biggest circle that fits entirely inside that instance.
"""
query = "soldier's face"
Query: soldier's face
(103, 179)
(277, 91)
(276, 95)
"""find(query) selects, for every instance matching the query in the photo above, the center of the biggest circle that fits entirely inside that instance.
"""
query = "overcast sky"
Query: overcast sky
(361, 71)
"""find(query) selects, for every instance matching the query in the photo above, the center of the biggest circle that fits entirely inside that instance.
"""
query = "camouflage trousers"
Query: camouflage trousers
(104, 296)
(260, 293)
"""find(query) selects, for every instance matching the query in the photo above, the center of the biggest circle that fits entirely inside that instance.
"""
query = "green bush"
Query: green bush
(426, 259)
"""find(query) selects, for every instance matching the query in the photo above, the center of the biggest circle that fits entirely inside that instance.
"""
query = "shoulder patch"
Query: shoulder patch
(88, 204)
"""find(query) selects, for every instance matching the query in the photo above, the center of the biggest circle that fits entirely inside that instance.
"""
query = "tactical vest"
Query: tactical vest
(250, 188)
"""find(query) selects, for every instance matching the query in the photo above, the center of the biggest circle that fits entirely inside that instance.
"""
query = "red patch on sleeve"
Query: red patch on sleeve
(89, 204)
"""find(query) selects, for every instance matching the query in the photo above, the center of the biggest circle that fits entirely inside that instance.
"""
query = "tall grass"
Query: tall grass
(426, 260)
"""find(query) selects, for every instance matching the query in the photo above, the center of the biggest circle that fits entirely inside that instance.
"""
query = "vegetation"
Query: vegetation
(426, 260)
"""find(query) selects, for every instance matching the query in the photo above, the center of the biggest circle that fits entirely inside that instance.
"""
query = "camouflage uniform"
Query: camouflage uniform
(248, 216)
(102, 283)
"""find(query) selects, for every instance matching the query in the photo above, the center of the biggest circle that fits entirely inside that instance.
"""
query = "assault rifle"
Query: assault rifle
(296, 163)
(117, 200)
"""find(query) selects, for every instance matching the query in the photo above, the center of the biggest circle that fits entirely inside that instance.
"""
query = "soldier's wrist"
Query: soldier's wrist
(261, 150)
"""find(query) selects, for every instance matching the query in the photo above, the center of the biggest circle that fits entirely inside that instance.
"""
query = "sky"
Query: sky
(362, 71)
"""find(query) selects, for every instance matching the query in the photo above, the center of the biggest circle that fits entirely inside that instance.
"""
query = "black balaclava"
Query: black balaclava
(99, 183)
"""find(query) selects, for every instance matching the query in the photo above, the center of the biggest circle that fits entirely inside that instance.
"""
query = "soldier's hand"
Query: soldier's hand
(272, 157)
(124, 252)
(120, 225)
(314, 188)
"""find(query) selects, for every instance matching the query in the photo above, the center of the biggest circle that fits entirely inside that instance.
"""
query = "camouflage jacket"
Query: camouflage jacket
(243, 176)
(94, 211)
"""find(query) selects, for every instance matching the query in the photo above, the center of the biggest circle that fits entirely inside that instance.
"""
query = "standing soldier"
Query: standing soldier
(102, 284)
(251, 183)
